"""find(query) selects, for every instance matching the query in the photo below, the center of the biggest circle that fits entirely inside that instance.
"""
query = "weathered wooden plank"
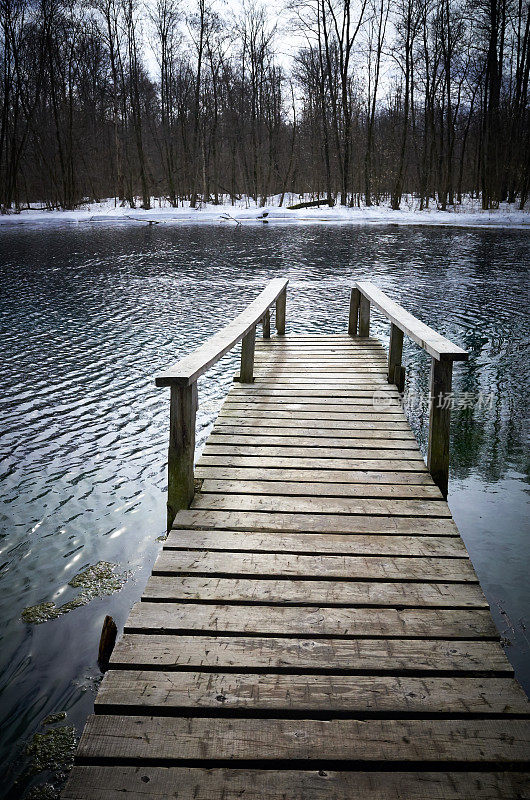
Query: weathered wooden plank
(364, 413)
(355, 349)
(315, 436)
(327, 476)
(313, 360)
(330, 567)
(309, 355)
(402, 656)
(161, 783)
(303, 592)
(292, 621)
(332, 348)
(267, 420)
(320, 351)
(317, 543)
(243, 441)
(294, 462)
(315, 363)
(325, 373)
(322, 505)
(286, 404)
(325, 337)
(319, 490)
(173, 739)
(329, 345)
(373, 379)
(320, 410)
(361, 366)
(138, 691)
(308, 397)
(335, 393)
(311, 523)
(334, 453)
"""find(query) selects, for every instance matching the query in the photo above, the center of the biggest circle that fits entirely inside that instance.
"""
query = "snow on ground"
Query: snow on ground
(246, 211)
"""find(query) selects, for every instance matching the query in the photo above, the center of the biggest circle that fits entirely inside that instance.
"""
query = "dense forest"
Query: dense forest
(349, 101)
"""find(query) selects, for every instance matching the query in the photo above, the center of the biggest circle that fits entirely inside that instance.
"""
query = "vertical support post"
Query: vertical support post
(399, 378)
(355, 299)
(181, 451)
(266, 324)
(364, 316)
(395, 352)
(246, 373)
(439, 423)
(280, 313)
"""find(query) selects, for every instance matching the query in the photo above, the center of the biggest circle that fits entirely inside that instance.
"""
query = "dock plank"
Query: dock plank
(336, 453)
(313, 523)
(314, 489)
(390, 623)
(320, 476)
(316, 543)
(355, 656)
(385, 463)
(316, 592)
(328, 567)
(139, 691)
(173, 739)
(307, 504)
(161, 783)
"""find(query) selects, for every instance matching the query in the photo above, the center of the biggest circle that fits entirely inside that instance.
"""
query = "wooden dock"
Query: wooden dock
(313, 628)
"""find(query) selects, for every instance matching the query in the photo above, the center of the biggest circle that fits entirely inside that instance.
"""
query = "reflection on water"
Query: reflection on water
(89, 315)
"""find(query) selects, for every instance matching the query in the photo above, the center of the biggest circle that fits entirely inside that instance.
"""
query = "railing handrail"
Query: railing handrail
(434, 343)
(442, 352)
(182, 380)
(188, 369)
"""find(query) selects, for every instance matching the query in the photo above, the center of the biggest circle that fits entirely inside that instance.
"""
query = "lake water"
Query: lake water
(90, 314)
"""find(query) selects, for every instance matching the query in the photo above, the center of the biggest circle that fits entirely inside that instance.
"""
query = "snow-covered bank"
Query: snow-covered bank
(468, 214)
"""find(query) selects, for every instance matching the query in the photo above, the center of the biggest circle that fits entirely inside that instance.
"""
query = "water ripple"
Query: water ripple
(89, 316)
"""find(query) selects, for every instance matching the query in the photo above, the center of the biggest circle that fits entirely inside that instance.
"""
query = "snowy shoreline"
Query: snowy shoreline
(468, 214)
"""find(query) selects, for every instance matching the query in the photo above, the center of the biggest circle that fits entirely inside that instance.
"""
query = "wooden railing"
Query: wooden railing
(182, 379)
(442, 352)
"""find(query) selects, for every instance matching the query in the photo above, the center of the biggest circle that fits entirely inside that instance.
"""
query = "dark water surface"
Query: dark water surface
(90, 314)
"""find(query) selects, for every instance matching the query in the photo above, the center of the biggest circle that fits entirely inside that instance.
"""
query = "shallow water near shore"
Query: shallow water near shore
(90, 315)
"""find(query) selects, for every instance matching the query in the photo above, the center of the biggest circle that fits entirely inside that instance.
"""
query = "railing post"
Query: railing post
(181, 451)
(266, 324)
(399, 378)
(246, 373)
(355, 299)
(395, 352)
(364, 316)
(280, 313)
(439, 422)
